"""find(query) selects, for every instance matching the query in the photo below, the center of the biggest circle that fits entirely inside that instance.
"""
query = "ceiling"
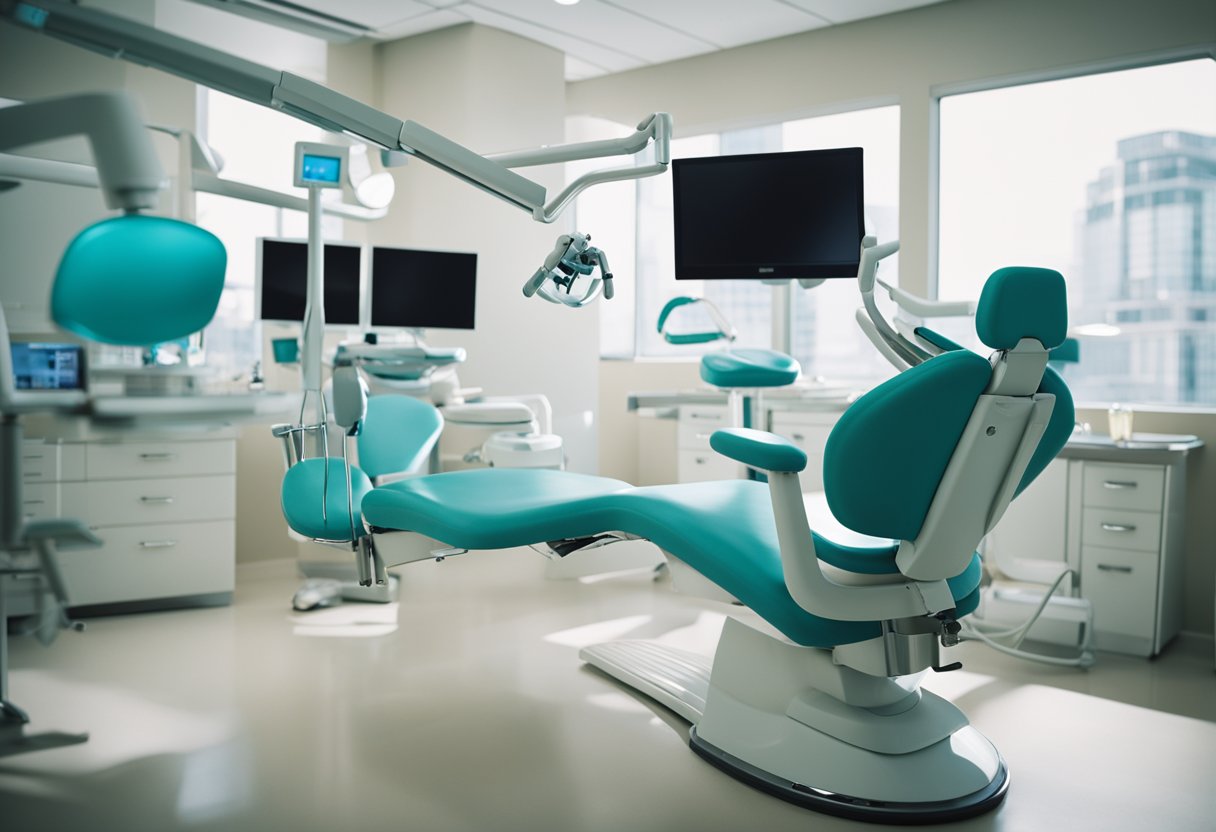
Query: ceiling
(598, 37)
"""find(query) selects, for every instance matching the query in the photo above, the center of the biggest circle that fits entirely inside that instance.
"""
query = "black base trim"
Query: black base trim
(178, 602)
(856, 808)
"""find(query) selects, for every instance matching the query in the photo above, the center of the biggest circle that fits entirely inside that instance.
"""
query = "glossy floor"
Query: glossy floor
(465, 708)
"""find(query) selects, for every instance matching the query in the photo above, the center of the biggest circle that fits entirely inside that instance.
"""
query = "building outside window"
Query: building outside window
(1110, 179)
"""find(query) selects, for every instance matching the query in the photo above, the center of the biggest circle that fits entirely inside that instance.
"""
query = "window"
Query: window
(638, 216)
(1111, 180)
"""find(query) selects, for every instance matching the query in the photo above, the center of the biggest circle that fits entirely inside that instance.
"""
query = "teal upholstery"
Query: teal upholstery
(749, 368)
(301, 496)
(911, 422)
(1022, 302)
(759, 449)
(1069, 352)
(399, 433)
(137, 280)
(724, 530)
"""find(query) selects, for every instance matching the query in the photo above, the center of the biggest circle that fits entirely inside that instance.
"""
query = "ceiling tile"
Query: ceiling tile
(425, 22)
(371, 13)
(592, 51)
(603, 25)
(843, 11)
(725, 23)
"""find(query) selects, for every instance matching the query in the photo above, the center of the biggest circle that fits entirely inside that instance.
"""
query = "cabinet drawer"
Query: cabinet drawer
(705, 466)
(1119, 529)
(137, 460)
(40, 501)
(1136, 487)
(159, 561)
(1122, 586)
(39, 462)
(167, 500)
(697, 424)
(811, 435)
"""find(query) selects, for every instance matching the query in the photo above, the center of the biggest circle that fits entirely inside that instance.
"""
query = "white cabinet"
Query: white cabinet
(1120, 525)
(165, 510)
(809, 431)
(696, 461)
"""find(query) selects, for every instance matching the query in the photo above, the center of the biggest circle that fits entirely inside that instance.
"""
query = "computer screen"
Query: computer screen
(283, 281)
(423, 289)
(769, 215)
(43, 366)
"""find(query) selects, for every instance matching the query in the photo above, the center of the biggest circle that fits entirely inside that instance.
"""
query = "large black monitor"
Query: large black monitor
(283, 281)
(769, 215)
(413, 288)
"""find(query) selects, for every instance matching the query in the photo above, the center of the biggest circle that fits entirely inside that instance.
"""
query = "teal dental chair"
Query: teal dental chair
(321, 496)
(828, 712)
(736, 370)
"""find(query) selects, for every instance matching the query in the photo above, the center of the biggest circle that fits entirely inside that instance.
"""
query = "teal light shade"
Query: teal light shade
(137, 280)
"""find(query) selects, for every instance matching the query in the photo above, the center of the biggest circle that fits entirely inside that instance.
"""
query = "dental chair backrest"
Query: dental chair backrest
(932, 457)
(399, 434)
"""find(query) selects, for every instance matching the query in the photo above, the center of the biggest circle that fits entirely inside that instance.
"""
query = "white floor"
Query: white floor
(465, 708)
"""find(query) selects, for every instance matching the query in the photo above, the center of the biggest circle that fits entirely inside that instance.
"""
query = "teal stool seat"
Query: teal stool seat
(724, 530)
(301, 497)
(749, 368)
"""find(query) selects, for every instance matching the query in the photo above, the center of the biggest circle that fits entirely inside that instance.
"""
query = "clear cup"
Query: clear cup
(1120, 419)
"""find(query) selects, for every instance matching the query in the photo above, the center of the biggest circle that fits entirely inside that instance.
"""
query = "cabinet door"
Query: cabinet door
(706, 466)
(1030, 542)
(1122, 586)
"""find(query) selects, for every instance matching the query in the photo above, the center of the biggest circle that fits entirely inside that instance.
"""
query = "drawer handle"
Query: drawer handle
(700, 460)
(797, 437)
(33, 502)
(1118, 485)
(1117, 527)
(702, 435)
(158, 457)
(712, 416)
(156, 501)
(34, 456)
(157, 544)
(28, 474)
(1106, 567)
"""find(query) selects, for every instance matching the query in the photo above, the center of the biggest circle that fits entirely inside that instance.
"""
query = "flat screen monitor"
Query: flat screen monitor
(423, 289)
(769, 215)
(283, 281)
(48, 366)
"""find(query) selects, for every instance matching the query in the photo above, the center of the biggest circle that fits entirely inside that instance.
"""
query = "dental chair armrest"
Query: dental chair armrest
(759, 449)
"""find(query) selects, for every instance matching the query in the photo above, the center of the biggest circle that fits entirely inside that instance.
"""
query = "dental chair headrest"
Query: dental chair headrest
(1022, 302)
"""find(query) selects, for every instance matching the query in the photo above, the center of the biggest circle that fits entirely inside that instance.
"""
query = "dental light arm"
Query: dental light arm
(127, 169)
(121, 38)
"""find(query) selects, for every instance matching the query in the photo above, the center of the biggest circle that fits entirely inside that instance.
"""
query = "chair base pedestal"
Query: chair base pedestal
(855, 808)
(787, 720)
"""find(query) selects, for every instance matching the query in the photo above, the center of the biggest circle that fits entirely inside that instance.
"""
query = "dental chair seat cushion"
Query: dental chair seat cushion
(724, 530)
(749, 368)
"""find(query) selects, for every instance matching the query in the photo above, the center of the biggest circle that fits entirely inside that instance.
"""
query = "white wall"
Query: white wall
(492, 91)
(901, 59)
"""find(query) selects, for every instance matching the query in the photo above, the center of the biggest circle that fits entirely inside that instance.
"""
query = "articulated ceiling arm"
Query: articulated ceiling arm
(316, 104)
